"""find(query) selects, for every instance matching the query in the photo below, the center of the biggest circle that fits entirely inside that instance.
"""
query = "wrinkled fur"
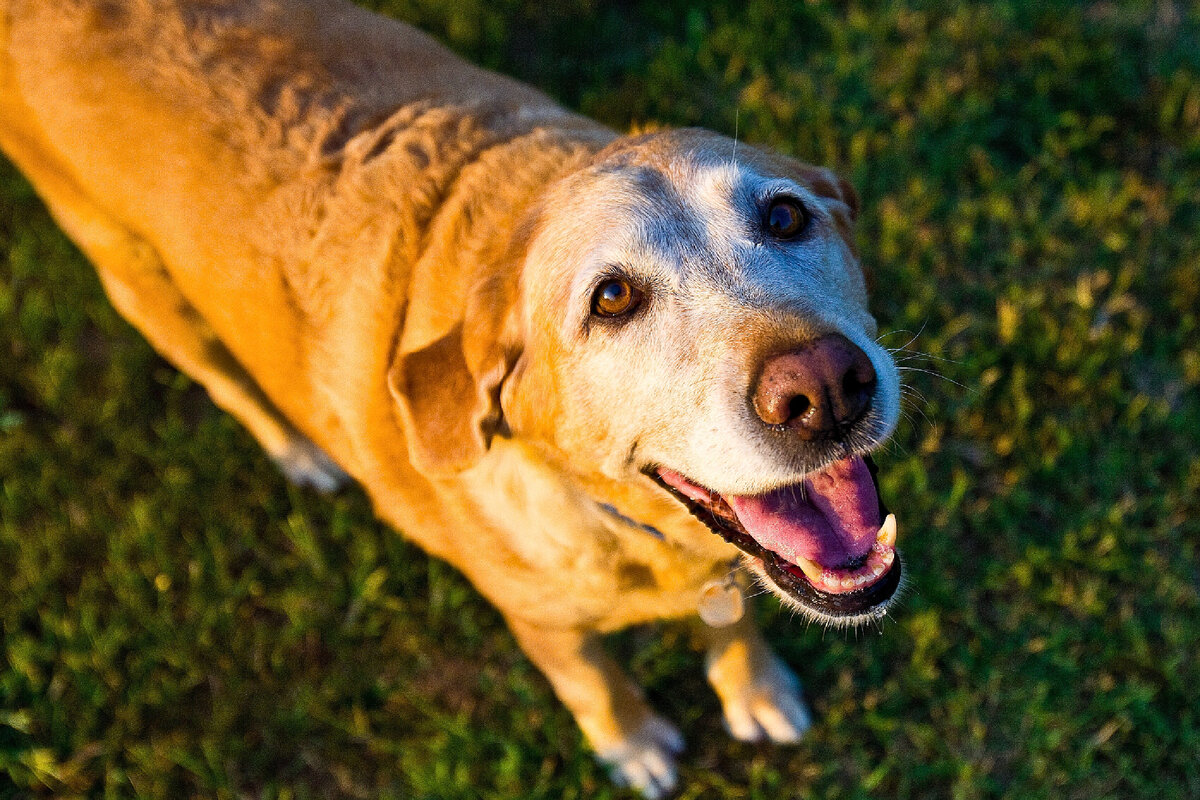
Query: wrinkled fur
(371, 253)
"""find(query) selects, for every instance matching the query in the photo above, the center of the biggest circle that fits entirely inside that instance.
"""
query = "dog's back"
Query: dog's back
(274, 167)
(188, 118)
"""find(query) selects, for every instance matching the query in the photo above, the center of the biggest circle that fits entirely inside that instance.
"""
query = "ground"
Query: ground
(178, 622)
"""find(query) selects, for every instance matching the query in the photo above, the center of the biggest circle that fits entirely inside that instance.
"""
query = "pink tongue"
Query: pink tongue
(831, 518)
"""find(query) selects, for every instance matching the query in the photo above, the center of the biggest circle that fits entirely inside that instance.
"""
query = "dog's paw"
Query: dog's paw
(646, 760)
(307, 465)
(770, 708)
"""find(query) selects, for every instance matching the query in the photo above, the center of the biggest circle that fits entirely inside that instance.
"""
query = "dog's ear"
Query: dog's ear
(448, 391)
(828, 183)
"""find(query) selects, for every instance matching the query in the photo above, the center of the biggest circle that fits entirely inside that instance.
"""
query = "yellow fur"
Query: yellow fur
(359, 244)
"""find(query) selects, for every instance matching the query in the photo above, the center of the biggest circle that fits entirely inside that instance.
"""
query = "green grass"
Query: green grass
(178, 622)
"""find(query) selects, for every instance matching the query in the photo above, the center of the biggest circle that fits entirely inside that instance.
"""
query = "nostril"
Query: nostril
(856, 386)
(850, 385)
(798, 406)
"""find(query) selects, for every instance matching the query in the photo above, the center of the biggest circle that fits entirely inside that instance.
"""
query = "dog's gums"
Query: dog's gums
(808, 539)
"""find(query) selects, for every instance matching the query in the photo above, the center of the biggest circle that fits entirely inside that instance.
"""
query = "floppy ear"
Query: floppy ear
(448, 391)
(849, 196)
(828, 183)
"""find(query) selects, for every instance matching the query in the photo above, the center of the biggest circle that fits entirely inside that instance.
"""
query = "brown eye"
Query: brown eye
(786, 218)
(615, 297)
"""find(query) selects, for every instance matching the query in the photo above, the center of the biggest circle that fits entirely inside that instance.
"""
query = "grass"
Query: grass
(179, 622)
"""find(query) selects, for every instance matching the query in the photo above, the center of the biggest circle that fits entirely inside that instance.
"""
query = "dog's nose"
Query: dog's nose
(816, 390)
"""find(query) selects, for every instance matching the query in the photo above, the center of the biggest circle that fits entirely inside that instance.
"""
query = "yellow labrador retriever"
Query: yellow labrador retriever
(594, 372)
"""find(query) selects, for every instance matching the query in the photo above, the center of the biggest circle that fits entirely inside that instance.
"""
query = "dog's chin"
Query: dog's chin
(825, 545)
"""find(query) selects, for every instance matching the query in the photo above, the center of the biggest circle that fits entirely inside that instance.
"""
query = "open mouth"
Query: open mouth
(827, 542)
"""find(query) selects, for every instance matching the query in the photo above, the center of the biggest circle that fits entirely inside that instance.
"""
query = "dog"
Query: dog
(611, 378)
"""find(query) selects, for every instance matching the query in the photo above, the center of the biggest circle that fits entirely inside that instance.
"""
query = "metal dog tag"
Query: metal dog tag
(721, 603)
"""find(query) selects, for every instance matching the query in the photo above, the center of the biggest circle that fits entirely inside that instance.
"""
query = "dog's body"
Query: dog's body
(380, 258)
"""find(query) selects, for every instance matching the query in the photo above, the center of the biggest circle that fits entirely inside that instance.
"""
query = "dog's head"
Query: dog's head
(690, 322)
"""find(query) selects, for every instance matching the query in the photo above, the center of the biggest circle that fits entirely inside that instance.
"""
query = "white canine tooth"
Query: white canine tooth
(887, 531)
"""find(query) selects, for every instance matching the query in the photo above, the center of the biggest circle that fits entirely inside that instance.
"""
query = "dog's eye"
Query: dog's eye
(786, 218)
(615, 297)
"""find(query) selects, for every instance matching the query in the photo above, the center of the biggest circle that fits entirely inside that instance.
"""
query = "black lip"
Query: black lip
(845, 605)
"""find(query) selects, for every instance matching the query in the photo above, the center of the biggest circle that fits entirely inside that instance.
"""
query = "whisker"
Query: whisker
(913, 393)
(924, 416)
(914, 337)
(891, 333)
(736, 115)
(936, 375)
(913, 354)
(908, 391)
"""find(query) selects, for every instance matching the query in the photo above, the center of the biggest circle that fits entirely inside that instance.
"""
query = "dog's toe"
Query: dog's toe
(770, 709)
(646, 760)
(780, 722)
(305, 464)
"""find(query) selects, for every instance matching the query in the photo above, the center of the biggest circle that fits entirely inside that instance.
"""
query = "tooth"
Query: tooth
(877, 570)
(889, 556)
(811, 569)
(887, 532)
(859, 580)
(847, 583)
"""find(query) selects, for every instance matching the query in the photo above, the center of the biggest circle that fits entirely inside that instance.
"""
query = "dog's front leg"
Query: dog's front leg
(759, 693)
(638, 745)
